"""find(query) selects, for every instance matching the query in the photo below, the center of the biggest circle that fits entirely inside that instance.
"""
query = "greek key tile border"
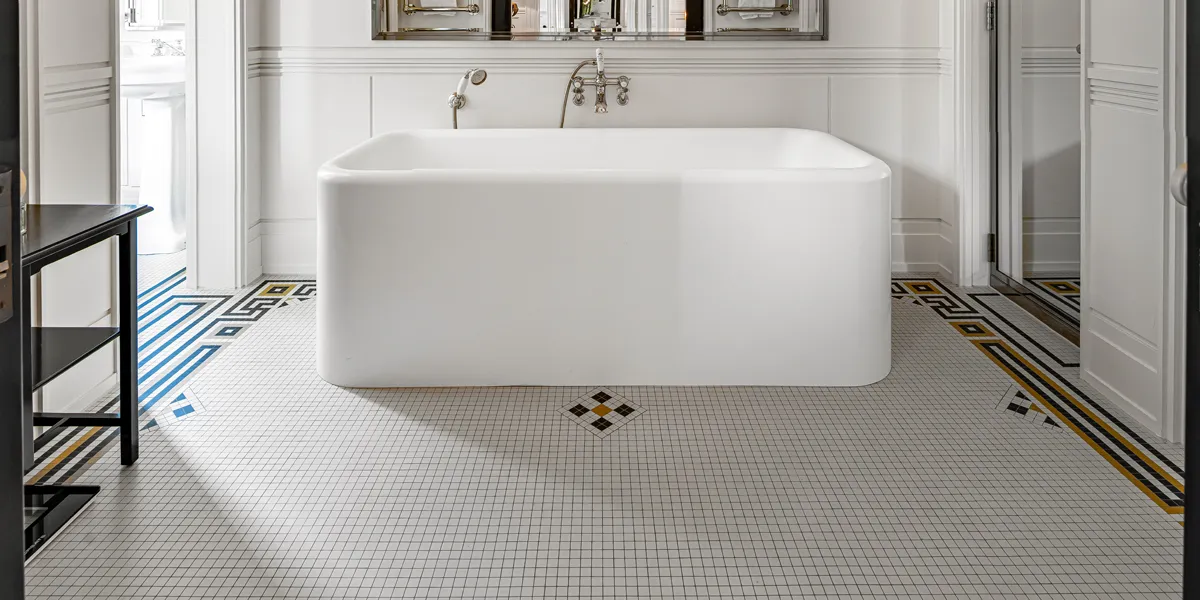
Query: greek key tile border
(1044, 378)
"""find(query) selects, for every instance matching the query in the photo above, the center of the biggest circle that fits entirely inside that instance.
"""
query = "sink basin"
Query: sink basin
(159, 76)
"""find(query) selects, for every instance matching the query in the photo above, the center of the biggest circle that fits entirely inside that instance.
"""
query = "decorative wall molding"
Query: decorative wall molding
(1050, 61)
(1051, 245)
(325, 83)
(696, 61)
(972, 139)
(1123, 94)
(78, 95)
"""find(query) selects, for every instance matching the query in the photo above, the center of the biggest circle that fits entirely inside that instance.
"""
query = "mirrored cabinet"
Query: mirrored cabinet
(597, 20)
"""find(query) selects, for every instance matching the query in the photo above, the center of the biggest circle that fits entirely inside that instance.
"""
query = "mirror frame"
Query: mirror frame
(501, 20)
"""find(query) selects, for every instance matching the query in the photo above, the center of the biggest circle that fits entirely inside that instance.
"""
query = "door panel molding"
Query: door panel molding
(1131, 301)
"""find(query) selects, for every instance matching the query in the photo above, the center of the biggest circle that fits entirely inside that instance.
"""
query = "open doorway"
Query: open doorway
(1088, 127)
(153, 134)
(1037, 245)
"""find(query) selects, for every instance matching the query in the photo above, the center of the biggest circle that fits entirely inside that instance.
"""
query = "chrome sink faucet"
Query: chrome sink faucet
(161, 47)
(601, 82)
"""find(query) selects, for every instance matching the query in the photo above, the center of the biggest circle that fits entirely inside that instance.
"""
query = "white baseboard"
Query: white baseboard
(289, 246)
(1052, 245)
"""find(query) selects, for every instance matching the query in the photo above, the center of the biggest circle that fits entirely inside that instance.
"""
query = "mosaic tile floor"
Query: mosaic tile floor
(1061, 291)
(179, 331)
(926, 485)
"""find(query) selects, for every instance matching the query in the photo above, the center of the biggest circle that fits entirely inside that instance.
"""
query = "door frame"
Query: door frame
(1191, 322)
(1007, 210)
(1007, 215)
(12, 455)
(216, 233)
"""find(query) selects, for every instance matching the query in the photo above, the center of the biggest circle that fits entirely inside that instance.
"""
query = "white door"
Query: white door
(1130, 270)
(73, 97)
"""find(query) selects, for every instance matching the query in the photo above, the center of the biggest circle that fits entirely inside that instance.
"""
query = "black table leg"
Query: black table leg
(26, 375)
(127, 281)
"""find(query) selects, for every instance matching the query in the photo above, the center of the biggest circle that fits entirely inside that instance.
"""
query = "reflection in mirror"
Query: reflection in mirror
(600, 19)
(154, 14)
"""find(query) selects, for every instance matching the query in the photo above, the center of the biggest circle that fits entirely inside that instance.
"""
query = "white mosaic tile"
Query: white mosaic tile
(916, 487)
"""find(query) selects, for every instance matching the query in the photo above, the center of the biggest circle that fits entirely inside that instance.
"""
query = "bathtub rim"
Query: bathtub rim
(334, 170)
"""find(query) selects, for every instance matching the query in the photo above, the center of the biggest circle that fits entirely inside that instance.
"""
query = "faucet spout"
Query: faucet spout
(601, 100)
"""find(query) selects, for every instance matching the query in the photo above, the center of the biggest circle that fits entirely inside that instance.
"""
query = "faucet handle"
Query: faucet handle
(599, 60)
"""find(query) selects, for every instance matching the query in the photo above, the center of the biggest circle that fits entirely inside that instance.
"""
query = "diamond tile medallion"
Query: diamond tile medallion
(601, 411)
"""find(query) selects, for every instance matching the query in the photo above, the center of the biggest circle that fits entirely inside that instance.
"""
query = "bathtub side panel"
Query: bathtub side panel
(787, 282)
(440, 279)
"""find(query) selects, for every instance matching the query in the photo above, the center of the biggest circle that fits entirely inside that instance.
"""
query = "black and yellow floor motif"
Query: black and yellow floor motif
(1061, 293)
(1018, 403)
(601, 411)
(1046, 382)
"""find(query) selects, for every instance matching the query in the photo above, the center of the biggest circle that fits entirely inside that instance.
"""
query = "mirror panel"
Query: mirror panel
(597, 20)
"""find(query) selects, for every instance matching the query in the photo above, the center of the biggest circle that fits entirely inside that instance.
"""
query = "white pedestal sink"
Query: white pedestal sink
(158, 82)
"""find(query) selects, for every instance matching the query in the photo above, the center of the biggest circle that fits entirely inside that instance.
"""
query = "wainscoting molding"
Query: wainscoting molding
(1051, 245)
(530, 59)
(1062, 62)
(316, 102)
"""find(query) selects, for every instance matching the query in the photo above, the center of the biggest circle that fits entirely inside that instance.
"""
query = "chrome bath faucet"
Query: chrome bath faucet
(601, 82)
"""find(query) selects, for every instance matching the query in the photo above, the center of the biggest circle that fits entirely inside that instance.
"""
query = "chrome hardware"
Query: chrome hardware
(783, 9)
(421, 29)
(161, 45)
(577, 85)
(757, 29)
(601, 82)
(458, 99)
(412, 8)
(1179, 184)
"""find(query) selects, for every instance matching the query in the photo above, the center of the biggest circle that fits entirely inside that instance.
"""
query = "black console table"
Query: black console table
(56, 231)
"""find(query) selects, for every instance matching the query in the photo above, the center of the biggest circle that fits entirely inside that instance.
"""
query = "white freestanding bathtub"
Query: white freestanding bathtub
(604, 256)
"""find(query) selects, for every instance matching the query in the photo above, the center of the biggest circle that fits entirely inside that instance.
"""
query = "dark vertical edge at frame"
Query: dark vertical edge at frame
(994, 141)
(12, 496)
(693, 21)
(1191, 535)
(501, 19)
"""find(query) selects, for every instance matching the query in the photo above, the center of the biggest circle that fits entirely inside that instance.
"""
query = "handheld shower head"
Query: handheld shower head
(459, 98)
(474, 76)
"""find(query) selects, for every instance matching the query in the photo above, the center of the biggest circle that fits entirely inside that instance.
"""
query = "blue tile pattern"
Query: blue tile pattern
(179, 332)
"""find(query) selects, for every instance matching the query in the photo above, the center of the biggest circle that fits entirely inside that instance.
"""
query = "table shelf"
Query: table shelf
(56, 349)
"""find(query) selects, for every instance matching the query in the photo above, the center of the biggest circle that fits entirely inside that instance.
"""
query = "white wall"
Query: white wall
(324, 86)
(72, 161)
(1050, 132)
